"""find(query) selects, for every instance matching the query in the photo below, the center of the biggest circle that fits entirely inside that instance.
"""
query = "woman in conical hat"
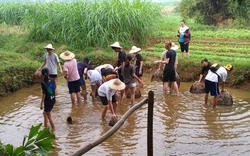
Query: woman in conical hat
(138, 61)
(71, 75)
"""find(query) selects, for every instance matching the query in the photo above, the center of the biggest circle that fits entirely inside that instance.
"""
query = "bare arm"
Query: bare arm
(139, 80)
(43, 64)
(166, 61)
(222, 86)
(60, 67)
(112, 109)
(141, 65)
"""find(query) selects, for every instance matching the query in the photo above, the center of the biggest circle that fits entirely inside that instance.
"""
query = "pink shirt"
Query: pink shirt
(71, 68)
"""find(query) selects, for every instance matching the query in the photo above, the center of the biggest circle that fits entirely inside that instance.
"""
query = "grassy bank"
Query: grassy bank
(21, 40)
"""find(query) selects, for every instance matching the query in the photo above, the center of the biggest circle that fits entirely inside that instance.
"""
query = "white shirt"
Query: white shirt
(105, 91)
(103, 66)
(211, 76)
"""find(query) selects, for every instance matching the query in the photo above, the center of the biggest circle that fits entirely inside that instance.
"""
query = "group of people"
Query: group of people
(105, 80)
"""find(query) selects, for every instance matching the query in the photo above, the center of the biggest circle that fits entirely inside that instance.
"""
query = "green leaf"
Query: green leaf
(10, 149)
(19, 151)
(34, 130)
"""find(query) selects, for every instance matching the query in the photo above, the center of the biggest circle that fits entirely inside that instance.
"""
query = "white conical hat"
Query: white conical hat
(49, 46)
(134, 49)
(116, 45)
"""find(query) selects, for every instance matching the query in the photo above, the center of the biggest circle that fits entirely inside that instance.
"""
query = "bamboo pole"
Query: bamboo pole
(109, 133)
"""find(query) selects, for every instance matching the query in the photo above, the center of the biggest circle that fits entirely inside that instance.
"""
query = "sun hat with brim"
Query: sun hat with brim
(49, 46)
(174, 46)
(134, 50)
(116, 45)
(228, 67)
(67, 55)
(116, 84)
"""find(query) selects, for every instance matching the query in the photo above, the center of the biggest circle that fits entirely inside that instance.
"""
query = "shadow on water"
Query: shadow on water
(182, 125)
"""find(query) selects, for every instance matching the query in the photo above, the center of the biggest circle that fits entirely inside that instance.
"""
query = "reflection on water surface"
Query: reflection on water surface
(182, 125)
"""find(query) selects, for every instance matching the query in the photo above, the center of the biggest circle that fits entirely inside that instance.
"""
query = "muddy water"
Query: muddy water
(182, 125)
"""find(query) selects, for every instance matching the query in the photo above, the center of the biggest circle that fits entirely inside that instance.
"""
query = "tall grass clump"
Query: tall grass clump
(12, 13)
(91, 23)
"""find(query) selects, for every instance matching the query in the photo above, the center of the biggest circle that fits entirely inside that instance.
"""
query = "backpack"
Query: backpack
(214, 67)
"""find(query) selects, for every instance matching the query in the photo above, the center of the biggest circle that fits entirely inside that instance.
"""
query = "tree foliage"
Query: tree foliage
(214, 12)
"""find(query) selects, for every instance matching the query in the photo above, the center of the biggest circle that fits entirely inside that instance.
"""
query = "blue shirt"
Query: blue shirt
(181, 38)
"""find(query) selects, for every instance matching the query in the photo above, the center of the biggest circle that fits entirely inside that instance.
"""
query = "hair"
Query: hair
(90, 68)
(102, 69)
(45, 73)
(183, 21)
(168, 43)
(204, 60)
(86, 60)
(128, 59)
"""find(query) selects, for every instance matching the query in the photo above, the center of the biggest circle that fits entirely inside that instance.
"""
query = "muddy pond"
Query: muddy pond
(182, 125)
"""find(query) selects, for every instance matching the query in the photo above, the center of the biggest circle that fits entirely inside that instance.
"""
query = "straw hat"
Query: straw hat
(116, 45)
(116, 84)
(67, 55)
(174, 46)
(134, 49)
(228, 67)
(49, 46)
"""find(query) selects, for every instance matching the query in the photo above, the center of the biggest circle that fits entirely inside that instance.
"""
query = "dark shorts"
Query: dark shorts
(105, 100)
(212, 87)
(48, 107)
(74, 86)
(169, 75)
(53, 76)
(137, 72)
(82, 81)
(184, 47)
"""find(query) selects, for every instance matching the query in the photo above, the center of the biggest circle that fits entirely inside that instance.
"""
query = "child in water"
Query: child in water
(48, 98)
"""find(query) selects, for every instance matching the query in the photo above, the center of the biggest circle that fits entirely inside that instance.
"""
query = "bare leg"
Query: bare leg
(48, 114)
(124, 94)
(45, 119)
(78, 96)
(215, 101)
(176, 88)
(93, 91)
(182, 54)
(72, 96)
(206, 98)
(165, 88)
(132, 96)
(104, 111)
(84, 92)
